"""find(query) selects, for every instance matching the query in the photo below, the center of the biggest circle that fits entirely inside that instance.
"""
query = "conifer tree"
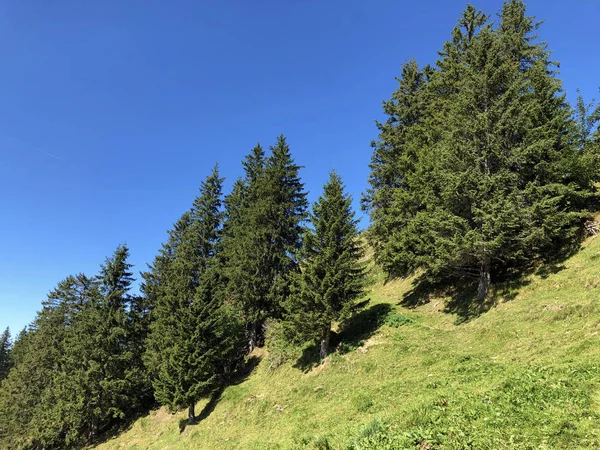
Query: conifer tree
(587, 136)
(103, 369)
(17, 349)
(192, 341)
(260, 250)
(333, 276)
(388, 199)
(243, 192)
(5, 358)
(33, 413)
(496, 181)
(154, 288)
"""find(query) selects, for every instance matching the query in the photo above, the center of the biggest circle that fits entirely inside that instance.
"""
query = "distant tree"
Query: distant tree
(33, 413)
(5, 358)
(17, 347)
(333, 276)
(587, 136)
(77, 369)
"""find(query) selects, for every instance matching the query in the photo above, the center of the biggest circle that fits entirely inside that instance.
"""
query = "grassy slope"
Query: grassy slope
(526, 374)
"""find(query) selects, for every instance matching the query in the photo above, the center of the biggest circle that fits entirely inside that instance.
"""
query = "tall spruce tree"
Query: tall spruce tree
(496, 180)
(587, 136)
(5, 358)
(333, 276)
(104, 379)
(388, 199)
(262, 242)
(154, 288)
(17, 348)
(192, 340)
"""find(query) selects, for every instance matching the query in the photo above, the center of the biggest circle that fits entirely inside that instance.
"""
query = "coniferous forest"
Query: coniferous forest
(481, 172)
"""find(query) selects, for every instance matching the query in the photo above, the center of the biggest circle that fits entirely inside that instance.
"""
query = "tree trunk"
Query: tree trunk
(256, 336)
(94, 425)
(192, 413)
(253, 337)
(325, 343)
(485, 279)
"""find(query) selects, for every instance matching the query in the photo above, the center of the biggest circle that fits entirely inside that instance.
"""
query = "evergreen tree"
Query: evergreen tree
(203, 347)
(389, 200)
(496, 181)
(260, 250)
(587, 136)
(103, 374)
(192, 341)
(5, 358)
(154, 288)
(243, 191)
(333, 276)
(33, 411)
(17, 349)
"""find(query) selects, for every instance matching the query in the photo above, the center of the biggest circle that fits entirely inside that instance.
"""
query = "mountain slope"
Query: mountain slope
(525, 374)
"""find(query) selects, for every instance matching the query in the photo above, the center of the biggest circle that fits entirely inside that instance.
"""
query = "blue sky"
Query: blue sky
(112, 112)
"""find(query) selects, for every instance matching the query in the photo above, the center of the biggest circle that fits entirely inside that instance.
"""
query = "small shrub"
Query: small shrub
(363, 403)
(321, 443)
(347, 347)
(281, 346)
(397, 320)
(336, 358)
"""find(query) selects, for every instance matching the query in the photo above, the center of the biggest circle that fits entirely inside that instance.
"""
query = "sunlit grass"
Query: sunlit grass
(525, 374)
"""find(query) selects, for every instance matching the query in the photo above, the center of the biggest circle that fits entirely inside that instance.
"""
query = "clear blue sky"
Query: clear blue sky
(112, 112)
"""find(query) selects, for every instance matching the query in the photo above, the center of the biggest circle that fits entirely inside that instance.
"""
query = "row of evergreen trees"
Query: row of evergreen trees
(96, 354)
(482, 167)
(74, 369)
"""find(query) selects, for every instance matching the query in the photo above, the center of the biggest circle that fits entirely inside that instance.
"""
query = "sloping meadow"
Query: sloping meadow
(525, 374)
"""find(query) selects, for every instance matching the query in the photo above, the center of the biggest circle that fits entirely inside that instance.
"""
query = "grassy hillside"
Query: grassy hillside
(525, 374)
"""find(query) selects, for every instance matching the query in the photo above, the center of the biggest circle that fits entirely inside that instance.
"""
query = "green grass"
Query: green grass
(525, 374)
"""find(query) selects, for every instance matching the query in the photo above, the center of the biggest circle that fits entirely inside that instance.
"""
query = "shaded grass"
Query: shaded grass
(524, 373)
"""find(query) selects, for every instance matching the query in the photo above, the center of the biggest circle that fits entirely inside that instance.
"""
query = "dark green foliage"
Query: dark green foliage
(5, 357)
(587, 136)
(194, 340)
(32, 412)
(397, 320)
(104, 373)
(155, 291)
(332, 277)
(389, 199)
(479, 167)
(17, 350)
(264, 216)
(78, 368)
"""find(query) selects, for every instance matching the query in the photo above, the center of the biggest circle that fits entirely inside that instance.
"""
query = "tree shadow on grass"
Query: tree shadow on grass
(550, 269)
(206, 411)
(464, 304)
(244, 372)
(121, 427)
(353, 334)
(421, 292)
(360, 327)
(461, 295)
